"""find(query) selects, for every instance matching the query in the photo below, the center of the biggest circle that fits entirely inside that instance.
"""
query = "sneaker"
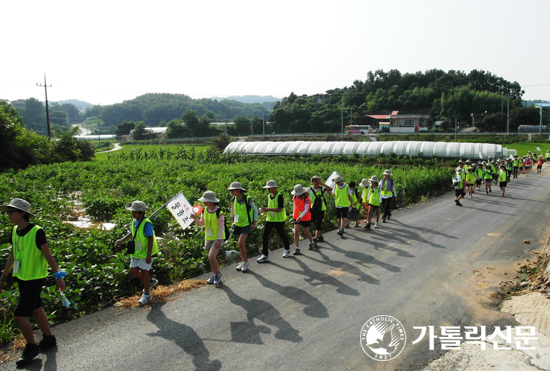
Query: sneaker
(262, 259)
(154, 282)
(367, 226)
(487, 192)
(383, 220)
(389, 217)
(47, 342)
(211, 279)
(490, 190)
(145, 298)
(347, 225)
(296, 252)
(502, 195)
(286, 253)
(311, 245)
(320, 239)
(218, 278)
(315, 241)
(356, 225)
(30, 351)
(244, 268)
(340, 232)
(376, 226)
(239, 266)
(459, 204)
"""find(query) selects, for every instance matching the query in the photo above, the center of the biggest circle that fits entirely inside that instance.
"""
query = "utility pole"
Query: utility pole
(99, 124)
(263, 122)
(342, 120)
(508, 117)
(47, 109)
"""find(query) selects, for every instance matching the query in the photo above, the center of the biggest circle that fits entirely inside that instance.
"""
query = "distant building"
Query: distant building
(400, 123)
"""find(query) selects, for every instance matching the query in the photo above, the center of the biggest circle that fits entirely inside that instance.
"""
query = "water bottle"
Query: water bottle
(64, 299)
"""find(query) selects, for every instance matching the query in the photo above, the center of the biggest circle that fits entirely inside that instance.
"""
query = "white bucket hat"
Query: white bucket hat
(19, 204)
(209, 196)
(298, 190)
(387, 172)
(271, 184)
(137, 206)
(236, 185)
(338, 179)
(364, 183)
(373, 179)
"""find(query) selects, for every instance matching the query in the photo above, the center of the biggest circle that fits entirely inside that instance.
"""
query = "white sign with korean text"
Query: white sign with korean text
(181, 209)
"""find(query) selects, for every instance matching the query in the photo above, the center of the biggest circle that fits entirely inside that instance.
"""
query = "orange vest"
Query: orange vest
(300, 206)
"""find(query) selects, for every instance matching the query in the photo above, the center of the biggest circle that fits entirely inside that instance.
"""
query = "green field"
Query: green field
(522, 148)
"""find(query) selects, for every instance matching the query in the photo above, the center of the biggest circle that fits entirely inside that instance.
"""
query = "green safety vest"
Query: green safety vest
(273, 203)
(140, 239)
(32, 262)
(470, 178)
(502, 176)
(488, 174)
(374, 197)
(385, 192)
(341, 195)
(240, 212)
(354, 199)
(212, 225)
(515, 163)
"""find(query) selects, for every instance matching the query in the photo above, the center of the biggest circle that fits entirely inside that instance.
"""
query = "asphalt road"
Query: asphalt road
(434, 264)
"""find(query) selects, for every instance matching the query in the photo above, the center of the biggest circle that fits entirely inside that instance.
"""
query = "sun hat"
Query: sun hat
(271, 184)
(236, 185)
(467, 161)
(387, 172)
(373, 179)
(338, 179)
(315, 177)
(364, 183)
(209, 196)
(137, 206)
(19, 204)
(460, 162)
(298, 190)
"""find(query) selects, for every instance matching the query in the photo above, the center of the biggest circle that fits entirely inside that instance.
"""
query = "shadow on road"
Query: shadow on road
(249, 332)
(313, 307)
(184, 337)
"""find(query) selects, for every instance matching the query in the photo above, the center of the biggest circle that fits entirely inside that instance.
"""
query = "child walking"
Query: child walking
(342, 202)
(302, 216)
(29, 259)
(146, 248)
(276, 217)
(214, 232)
(503, 176)
(244, 214)
(374, 198)
(318, 205)
(488, 178)
(470, 181)
(353, 211)
(387, 189)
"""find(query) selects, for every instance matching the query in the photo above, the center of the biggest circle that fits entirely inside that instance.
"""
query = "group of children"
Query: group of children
(30, 255)
(470, 176)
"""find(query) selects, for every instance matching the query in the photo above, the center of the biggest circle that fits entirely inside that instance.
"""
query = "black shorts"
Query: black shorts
(503, 184)
(459, 192)
(29, 297)
(317, 218)
(237, 231)
(478, 182)
(341, 212)
(539, 167)
(305, 224)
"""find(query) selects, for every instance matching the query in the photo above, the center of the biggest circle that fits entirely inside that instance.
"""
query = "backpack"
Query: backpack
(218, 213)
(455, 181)
(318, 203)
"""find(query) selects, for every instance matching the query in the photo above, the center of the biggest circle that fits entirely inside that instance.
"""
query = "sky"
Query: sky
(105, 52)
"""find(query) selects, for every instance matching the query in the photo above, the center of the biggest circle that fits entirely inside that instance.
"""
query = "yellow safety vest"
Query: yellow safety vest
(32, 262)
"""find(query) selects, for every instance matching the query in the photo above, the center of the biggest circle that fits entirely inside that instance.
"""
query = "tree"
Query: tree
(125, 128)
(68, 148)
(59, 119)
(140, 133)
(192, 121)
(176, 129)
(242, 125)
